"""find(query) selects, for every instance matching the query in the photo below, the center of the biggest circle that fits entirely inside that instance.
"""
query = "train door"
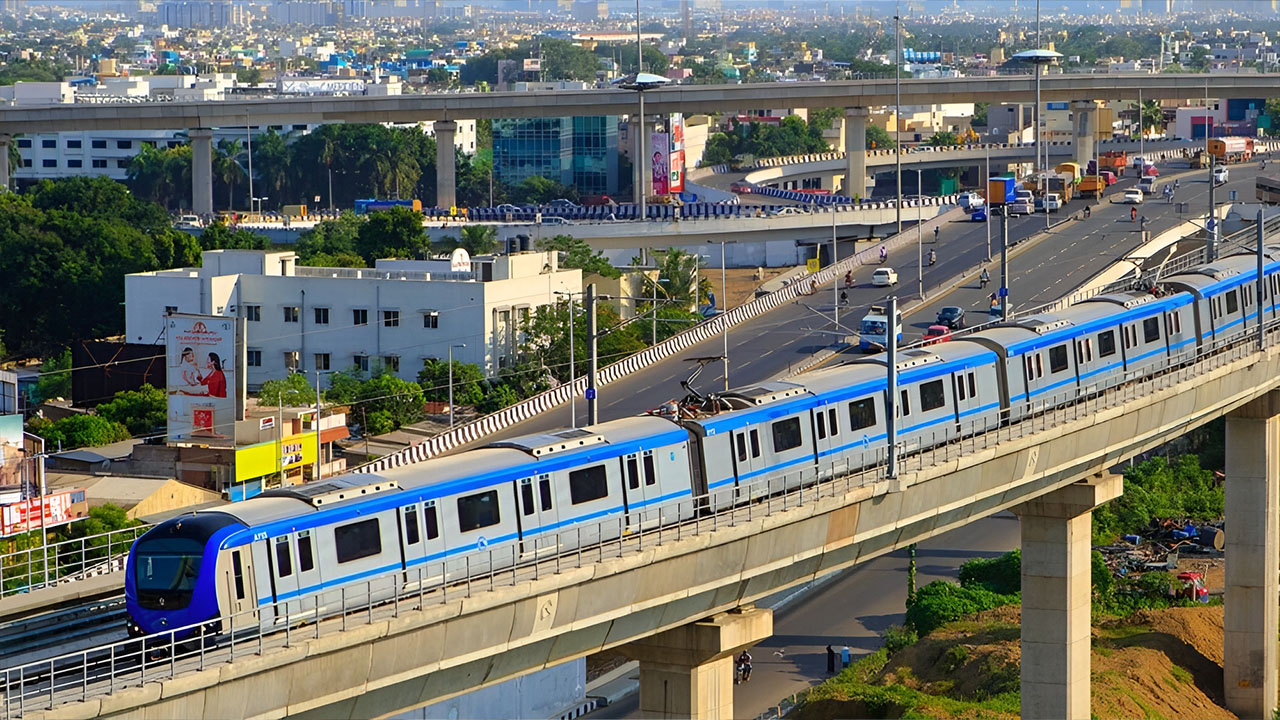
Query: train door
(411, 542)
(635, 489)
(538, 520)
(242, 594)
(825, 428)
(284, 578)
(964, 386)
(306, 569)
(1179, 334)
(748, 460)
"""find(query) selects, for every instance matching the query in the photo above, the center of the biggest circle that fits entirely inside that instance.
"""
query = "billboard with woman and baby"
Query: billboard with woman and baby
(201, 354)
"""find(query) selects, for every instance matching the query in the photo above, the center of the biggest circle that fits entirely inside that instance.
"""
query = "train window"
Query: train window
(862, 414)
(633, 469)
(960, 389)
(237, 571)
(906, 403)
(357, 540)
(786, 435)
(526, 496)
(822, 425)
(831, 422)
(306, 552)
(432, 524)
(411, 534)
(1058, 358)
(284, 560)
(650, 475)
(1107, 343)
(742, 448)
(755, 443)
(1177, 322)
(478, 511)
(1039, 365)
(932, 396)
(544, 492)
(1150, 330)
(587, 484)
(1233, 304)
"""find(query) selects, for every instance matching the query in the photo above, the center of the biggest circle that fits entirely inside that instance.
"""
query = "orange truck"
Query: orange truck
(1092, 186)
(1114, 161)
(1231, 149)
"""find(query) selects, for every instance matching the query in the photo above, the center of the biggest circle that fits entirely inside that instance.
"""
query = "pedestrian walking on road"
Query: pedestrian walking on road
(848, 279)
(937, 230)
(831, 661)
(844, 656)
(1133, 214)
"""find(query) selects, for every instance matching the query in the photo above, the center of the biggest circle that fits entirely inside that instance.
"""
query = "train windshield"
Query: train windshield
(167, 559)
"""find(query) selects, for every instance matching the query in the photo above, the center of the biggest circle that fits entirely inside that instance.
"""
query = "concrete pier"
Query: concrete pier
(1253, 554)
(446, 169)
(1056, 595)
(688, 672)
(855, 144)
(1084, 123)
(201, 171)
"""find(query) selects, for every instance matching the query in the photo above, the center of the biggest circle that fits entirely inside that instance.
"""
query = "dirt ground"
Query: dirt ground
(1154, 663)
(742, 282)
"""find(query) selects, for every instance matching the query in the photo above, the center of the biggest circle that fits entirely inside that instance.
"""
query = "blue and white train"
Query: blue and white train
(288, 551)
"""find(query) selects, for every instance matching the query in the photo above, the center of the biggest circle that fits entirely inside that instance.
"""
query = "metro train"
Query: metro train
(288, 552)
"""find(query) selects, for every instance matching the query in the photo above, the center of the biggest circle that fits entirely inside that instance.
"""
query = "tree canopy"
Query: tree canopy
(576, 253)
(65, 247)
(141, 411)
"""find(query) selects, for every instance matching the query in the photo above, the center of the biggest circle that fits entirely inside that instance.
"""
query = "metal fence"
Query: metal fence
(106, 669)
(62, 562)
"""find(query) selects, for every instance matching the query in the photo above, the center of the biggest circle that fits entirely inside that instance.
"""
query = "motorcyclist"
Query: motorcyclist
(884, 254)
(984, 278)
(933, 256)
(848, 279)
(744, 666)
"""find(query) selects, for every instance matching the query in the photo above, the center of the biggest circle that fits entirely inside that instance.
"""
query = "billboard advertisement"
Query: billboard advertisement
(677, 153)
(533, 65)
(11, 453)
(200, 361)
(659, 145)
(322, 86)
(60, 508)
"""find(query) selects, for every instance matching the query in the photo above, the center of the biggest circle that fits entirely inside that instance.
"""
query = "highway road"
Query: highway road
(786, 337)
(853, 608)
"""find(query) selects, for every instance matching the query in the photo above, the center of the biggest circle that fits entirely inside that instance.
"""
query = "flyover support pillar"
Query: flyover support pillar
(446, 170)
(1056, 594)
(855, 151)
(1253, 553)
(1084, 121)
(687, 672)
(201, 171)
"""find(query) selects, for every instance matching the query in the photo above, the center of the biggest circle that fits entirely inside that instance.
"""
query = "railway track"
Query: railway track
(61, 631)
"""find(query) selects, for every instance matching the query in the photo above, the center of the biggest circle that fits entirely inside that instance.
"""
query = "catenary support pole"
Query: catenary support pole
(891, 394)
(593, 403)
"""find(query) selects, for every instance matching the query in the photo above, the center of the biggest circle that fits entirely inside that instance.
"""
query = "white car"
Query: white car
(1052, 202)
(1020, 207)
(190, 221)
(1219, 175)
(884, 277)
(1132, 197)
(970, 201)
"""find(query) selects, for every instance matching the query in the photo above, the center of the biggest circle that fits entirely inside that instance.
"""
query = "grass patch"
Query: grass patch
(1181, 674)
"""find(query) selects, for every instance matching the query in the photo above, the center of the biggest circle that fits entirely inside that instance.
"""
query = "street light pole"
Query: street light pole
(989, 206)
(1004, 263)
(724, 307)
(897, 108)
(593, 414)
(919, 239)
(451, 413)
(835, 282)
(573, 396)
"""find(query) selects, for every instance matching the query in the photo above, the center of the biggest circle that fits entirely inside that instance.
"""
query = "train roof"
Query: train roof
(1032, 331)
(267, 507)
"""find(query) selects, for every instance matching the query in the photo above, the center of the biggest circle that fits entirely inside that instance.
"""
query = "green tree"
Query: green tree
(468, 380)
(227, 169)
(538, 190)
(498, 397)
(389, 402)
(292, 390)
(677, 273)
(547, 342)
(576, 253)
(1159, 490)
(479, 239)
(1152, 116)
(720, 149)
(248, 76)
(162, 176)
(940, 602)
(944, 137)
(980, 114)
(142, 411)
(273, 164)
(55, 377)
(81, 430)
(218, 237)
(879, 138)
(1200, 59)
(1001, 574)
(332, 243)
(396, 232)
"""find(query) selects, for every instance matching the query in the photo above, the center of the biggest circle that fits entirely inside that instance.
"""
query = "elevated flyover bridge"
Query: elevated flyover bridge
(679, 598)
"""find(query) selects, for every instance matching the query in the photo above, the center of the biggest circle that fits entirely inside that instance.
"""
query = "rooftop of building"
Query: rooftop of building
(219, 263)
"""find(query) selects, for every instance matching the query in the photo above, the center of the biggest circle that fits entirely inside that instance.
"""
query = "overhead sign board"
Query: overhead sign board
(322, 86)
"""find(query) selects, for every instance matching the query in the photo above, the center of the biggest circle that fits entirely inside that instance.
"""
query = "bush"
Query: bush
(1103, 581)
(79, 431)
(897, 637)
(939, 603)
(498, 397)
(142, 411)
(999, 575)
(1159, 490)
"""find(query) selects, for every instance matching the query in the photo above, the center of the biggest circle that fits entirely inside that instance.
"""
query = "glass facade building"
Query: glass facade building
(580, 151)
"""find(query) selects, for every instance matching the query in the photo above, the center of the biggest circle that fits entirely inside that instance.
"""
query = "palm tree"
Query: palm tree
(677, 271)
(226, 165)
(479, 239)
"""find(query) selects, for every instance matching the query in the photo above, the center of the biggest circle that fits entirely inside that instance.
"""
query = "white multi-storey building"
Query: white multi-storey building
(396, 315)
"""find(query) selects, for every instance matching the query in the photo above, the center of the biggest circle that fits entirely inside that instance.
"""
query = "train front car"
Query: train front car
(170, 576)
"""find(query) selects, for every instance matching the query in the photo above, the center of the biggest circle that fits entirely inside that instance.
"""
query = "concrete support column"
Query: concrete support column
(687, 672)
(1056, 590)
(855, 151)
(446, 169)
(1253, 556)
(201, 171)
(1085, 126)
